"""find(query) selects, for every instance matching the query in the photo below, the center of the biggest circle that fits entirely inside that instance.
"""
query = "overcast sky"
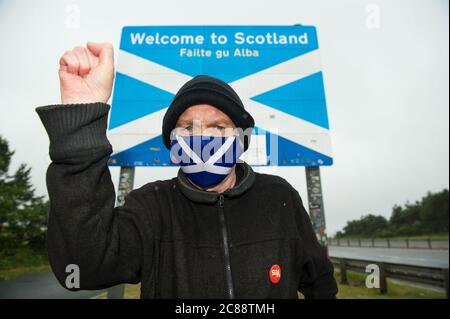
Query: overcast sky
(386, 80)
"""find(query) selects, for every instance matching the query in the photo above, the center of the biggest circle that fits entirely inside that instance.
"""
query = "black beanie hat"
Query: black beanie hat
(204, 89)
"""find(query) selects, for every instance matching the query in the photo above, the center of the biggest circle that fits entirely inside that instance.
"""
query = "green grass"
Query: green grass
(20, 271)
(356, 289)
(133, 291)
(21, 262)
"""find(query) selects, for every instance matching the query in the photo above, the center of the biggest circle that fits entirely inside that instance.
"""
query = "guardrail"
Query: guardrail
(391, 243)
(427, 275)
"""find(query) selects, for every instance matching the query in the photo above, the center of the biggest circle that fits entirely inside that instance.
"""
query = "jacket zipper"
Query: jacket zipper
(226, 248)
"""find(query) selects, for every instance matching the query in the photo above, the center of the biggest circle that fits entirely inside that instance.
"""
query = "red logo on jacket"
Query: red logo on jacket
(275, 274)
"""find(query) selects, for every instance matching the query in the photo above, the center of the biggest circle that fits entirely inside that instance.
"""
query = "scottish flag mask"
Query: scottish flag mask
(205, 160)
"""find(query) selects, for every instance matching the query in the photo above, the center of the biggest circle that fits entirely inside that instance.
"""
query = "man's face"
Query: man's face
(204, 119)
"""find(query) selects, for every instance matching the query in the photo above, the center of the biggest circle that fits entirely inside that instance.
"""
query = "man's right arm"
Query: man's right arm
(84, 227)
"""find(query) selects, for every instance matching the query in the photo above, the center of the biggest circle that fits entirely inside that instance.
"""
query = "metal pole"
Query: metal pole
(126, 182)
(315, 200)
(343, 265)
(383, 279)
(445, 275)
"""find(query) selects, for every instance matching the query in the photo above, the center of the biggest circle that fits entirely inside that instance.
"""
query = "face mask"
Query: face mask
(205, 160)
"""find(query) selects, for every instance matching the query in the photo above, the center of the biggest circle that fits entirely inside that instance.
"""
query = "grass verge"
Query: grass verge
(356, 289)
(21, 262)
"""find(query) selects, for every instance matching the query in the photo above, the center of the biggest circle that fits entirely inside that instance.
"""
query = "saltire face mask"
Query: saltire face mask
(205, 160)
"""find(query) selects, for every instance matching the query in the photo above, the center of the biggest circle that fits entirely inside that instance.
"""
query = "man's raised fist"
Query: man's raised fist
(86, 74)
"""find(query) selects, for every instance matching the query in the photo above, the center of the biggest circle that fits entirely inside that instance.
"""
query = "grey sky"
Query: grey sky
(387, 87)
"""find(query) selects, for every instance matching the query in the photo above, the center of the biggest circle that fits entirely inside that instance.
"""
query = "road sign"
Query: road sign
(276, 71)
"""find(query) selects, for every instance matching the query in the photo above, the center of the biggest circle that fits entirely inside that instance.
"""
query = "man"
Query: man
(217, 230)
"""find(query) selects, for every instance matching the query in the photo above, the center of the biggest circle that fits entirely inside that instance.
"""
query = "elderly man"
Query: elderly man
(216, 230)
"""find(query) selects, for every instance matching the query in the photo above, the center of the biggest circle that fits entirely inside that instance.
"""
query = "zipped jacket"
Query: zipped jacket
(255, 240)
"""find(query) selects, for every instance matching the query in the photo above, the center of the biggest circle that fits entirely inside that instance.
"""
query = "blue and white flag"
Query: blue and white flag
(206, 160)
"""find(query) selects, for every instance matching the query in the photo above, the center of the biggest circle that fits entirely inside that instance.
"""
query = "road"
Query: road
(416, 257)
(39, 286)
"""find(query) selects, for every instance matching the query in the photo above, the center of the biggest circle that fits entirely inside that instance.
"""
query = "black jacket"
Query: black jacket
(177, 240)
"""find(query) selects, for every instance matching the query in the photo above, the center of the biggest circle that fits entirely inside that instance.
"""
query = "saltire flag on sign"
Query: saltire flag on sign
(276, 70)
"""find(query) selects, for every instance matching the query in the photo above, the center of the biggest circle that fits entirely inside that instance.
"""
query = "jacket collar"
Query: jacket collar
(201, 196)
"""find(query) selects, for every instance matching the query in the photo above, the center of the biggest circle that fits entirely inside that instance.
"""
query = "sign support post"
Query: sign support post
(315, 201)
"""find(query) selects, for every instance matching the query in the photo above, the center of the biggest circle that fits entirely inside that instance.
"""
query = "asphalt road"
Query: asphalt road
(416, 257)
(39, 286)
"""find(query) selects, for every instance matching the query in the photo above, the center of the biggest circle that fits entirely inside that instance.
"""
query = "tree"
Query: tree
(406, 221)
(425, 217)
(23, 215)
(367, 226)
(434, 212)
